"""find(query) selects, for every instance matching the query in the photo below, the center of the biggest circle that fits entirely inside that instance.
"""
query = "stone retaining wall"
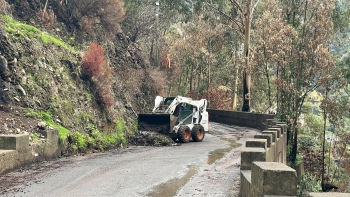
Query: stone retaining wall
(244, 119)
(264, 172)
(263, 169)
(16, 151)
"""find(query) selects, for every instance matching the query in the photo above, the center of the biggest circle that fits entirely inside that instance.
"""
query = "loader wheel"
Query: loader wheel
(198, 133)
(184, 134)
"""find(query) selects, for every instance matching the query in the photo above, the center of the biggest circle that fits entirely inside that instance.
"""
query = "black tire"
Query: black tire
(184, 134)
(198, 133)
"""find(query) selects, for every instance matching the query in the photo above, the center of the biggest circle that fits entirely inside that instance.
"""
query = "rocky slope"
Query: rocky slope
(40, 76)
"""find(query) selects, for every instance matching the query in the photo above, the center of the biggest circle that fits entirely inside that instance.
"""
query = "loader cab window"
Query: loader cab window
(168, 100)
(185, 111)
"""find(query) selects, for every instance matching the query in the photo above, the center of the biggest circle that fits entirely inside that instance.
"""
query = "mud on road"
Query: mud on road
(208, 168)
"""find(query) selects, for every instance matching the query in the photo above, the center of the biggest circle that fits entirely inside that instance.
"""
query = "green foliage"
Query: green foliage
(45, 116)
(32, 86)
(341, 15)
(84, 117)
(134, 127)
(120, 130)
(48, 39)
(94, 139)
(308, 183)
(88, 96)
(79, 141)
(62, 131)
(307, 141)
(31, 113)
(35, 136)
(120, 126)
(16, 27)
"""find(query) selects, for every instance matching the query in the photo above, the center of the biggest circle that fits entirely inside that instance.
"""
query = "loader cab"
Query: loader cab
(165, 103)
(185, 113)
(168, 100)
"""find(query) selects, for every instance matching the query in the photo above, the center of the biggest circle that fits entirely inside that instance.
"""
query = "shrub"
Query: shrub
(93, 60)
(309, 183)
(47, 17)
(103, 82)
(96, 66)
(111, 15)
(103, 17)
(79, 141)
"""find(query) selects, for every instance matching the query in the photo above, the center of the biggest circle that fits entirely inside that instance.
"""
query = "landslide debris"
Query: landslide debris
(151, 139)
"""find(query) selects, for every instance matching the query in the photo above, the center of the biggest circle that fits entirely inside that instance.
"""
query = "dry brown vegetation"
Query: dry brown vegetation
(95, 67)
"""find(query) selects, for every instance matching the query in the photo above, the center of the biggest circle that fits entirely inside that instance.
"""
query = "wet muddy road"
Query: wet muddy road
(208, 168)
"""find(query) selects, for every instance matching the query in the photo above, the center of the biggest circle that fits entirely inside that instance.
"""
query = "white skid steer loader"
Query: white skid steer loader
(179, 117)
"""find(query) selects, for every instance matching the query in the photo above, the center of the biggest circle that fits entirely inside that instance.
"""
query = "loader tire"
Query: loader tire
(184, 134)
(197, 133)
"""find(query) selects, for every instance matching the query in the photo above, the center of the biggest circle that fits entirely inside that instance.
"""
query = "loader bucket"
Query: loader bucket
(154, 122)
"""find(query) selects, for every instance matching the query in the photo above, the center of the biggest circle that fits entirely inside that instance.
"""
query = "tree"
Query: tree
(292, 49)
(273, 39)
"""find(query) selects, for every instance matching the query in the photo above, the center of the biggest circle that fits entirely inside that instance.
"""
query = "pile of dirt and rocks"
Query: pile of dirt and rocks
(151, 139)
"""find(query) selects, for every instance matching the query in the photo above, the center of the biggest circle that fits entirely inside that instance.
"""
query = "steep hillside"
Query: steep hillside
(40, 78)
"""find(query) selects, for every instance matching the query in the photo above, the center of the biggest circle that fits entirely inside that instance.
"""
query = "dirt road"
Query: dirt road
(208, 168)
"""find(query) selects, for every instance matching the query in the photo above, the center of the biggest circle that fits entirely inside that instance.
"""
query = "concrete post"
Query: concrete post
(273, 178)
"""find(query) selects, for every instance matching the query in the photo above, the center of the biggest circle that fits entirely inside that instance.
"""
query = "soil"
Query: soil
(14, 121)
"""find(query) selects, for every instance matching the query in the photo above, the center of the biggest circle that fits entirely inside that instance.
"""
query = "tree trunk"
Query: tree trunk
(324, 140)
(247, 70)
(268, 85)
(209, 62)
(235, 79)
(295, 130)
(191, 78)
(180, 81)
(199, 78)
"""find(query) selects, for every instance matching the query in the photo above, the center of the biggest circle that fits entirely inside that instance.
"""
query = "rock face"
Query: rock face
(4, 98)
(4, 71)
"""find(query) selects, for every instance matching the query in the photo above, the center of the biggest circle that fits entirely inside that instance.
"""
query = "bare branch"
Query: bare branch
(240, 26)
(252, 13)
(234, 2)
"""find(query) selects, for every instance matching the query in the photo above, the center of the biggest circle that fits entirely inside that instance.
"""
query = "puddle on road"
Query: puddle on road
(220, 153)
(171, 187)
